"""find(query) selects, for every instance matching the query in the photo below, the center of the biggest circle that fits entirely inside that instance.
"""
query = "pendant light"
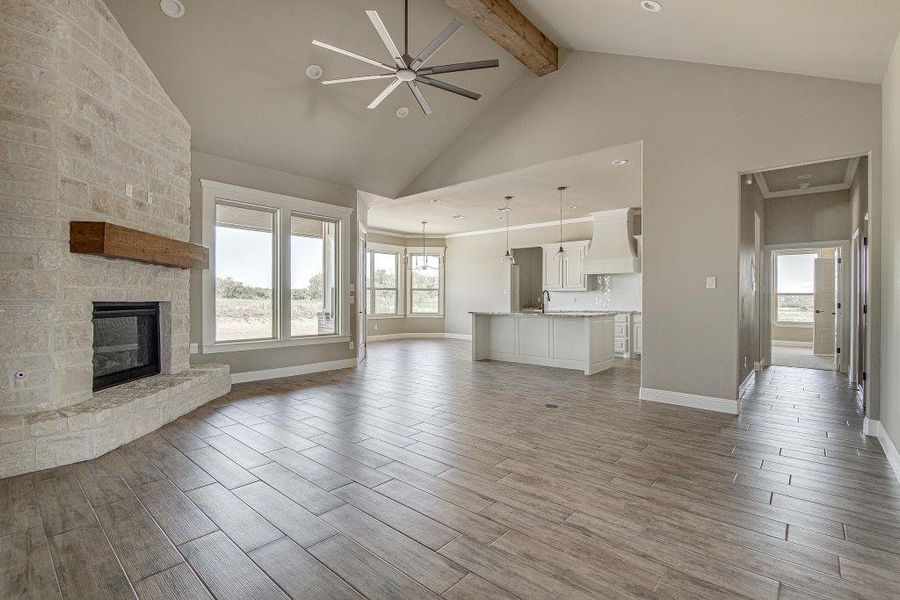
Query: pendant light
(508, 258)
(561, 254)
(421, 264)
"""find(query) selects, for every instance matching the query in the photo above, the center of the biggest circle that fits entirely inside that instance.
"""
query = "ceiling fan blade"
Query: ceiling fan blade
(360, 78)
(448, 87)
(387, 92)
(352, 55)
(456, 67)
(386, 38)
(436, 44)
(420, 97)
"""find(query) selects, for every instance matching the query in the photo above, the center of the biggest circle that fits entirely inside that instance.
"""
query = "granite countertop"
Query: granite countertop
(565, 314)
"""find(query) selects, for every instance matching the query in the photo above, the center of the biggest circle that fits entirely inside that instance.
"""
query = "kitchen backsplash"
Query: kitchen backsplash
(613, 292)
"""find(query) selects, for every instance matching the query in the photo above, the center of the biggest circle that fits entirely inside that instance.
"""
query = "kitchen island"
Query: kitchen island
(570, 340)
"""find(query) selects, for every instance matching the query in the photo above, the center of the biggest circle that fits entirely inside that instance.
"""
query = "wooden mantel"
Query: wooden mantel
(114, 241)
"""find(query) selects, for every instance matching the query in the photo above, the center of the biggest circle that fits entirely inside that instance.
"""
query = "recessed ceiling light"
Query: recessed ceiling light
(172, 8)
(314, 71)
(619, 162)
(651, 6)
(503, 208)
(459, 216)
(573, 207)
(804, 185)
(435, 200)
(402, 112)
(807, 176)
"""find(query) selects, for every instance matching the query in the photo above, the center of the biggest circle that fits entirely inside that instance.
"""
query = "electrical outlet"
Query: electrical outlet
(129, 190)
(376, 326)
(149, 197)
(711, 283)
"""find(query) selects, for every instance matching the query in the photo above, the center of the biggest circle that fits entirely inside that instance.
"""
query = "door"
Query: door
(824, 303)
(863, 314)
(362, 297)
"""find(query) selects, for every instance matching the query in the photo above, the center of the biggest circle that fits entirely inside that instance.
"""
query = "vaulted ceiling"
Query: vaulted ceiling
(236, 69)
(839, 39)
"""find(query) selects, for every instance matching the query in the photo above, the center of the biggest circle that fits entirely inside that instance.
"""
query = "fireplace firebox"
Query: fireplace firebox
(126, 342)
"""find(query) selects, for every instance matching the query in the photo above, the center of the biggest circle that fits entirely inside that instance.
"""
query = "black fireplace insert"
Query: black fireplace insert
(126, 342)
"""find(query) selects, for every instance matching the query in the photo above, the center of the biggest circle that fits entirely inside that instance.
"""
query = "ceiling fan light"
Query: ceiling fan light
(651, 6)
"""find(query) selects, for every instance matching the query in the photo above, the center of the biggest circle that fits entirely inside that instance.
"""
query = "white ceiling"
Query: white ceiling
(842, 39)
(594, 184)
(236, 70)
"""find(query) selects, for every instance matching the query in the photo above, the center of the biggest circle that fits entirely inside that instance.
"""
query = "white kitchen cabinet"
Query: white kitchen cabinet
(565, 275)
(553, 274)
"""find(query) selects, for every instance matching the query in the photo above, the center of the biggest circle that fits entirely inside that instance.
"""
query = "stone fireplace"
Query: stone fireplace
(89, 135)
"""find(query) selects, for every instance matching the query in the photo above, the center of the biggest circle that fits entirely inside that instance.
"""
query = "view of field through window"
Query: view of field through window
(795, 285)
(245, 306)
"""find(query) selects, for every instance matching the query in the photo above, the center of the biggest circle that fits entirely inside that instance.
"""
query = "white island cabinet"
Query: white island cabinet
(582, 341)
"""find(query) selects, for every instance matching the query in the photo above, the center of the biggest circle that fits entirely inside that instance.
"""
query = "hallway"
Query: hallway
(790, 356)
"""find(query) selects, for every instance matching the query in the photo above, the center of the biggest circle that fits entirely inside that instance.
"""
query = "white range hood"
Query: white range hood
(613, 248)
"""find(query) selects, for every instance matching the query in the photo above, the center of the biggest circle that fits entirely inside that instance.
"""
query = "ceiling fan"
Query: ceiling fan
(409, 70)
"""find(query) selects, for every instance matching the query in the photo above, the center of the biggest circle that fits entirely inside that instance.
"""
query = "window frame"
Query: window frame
(411, 253)
(776, 294)
(214, 192)
(397, 251)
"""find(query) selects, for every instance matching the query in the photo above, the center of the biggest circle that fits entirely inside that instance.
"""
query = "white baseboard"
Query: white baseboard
(789, 344)
(415, 336)
(890, 450)
(457, 336)
(292, 371)
(732, 407)
(742, 389)
(871, 427)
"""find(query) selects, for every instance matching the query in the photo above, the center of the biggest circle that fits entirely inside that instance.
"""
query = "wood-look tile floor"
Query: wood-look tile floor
(422, 474)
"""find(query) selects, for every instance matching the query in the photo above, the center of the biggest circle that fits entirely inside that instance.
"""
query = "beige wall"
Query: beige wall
(206, 166)
(404, 325)
(753, 208)
(701, 125)
(81, 116)
(822, 217)
(792, 334)
(890, 273)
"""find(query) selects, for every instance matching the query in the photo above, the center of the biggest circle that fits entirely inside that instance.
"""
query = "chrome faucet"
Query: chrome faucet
(544, 304)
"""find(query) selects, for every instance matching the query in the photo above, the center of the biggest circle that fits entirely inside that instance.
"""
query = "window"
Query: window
(313, 293)
(275, 277)
(794, 276)
(382, 283)
(425, 284)
(245, 307)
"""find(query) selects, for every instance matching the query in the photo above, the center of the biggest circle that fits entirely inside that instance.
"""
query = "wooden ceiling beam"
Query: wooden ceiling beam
(504, 24)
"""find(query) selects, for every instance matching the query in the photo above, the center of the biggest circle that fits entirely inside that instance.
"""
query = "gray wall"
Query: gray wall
(808, 218)
(207, 166)
(701, 125)
(890, 273)
(753, 206)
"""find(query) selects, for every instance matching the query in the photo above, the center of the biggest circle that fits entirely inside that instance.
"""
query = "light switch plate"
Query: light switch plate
(710, 283)
(129, 190)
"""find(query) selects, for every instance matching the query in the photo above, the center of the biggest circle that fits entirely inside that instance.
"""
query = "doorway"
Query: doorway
(806, 306)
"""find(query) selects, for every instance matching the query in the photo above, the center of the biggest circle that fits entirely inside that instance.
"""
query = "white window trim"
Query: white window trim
(775, 294)
(401, 279)
(442, 278)
(286, 205)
